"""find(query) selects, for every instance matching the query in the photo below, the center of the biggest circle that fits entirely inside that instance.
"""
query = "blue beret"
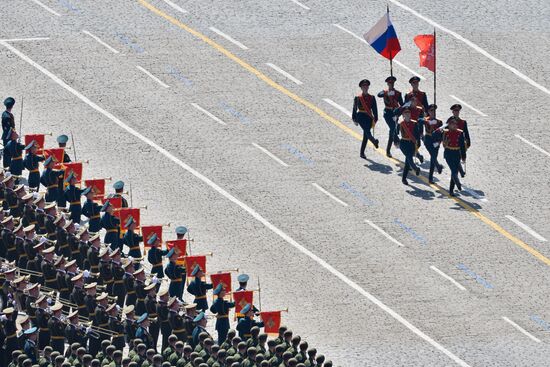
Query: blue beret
(87, 190)
(70, 177)
(243, 278)
(414, 79)
(129, 221)
(32, 330)
(9, 102)
(199, 317)
(171, 252)
(195, 270)
(142, 318)
(62, 139)
(181, 230)
(246, 308)
(105, 206)
(218, 289)
(31, 144)
(152, 239)
(48, 160)
(119, 185)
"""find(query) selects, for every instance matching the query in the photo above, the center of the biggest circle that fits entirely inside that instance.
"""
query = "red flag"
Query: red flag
(115, 202)
(191, 261)
(242, 298)
(75, 167)
(221, 278)
(124, 213)
(181, 246)
(272, 321)
(148, 231)
(98, 187)
(57, 153)
(39, 139)
(426, 44)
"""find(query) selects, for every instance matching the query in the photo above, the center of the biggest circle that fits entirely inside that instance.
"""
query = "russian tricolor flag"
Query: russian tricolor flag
(383, 39)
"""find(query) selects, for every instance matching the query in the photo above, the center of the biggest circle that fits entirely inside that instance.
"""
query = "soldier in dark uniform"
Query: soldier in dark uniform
(17, 205)
(461, 125)
(119, 290)
(131, 239)
(111, 224)
(91, 305)
(176, 320)
(83, 245)
(40, 205)
(7, 285)
(410, 139)
(8, 123)
(455, 151)
(221, 308)
(190, 314)
(198, 288)
(151, 309)
(62, 286)
(8, 239)
(143, 333)
(29, 214)
(92, 262)
(247, 323)
(62, 237)
(176, 274)
(62, 143)
(49, 222)
(50, 179)
(77, 295)
(421, 97)
(20, 246)
(30, 347)
(365, 114)
(31, 163)
(91, 210)
(33, 292)
(129, 285)
(130, 326)
(139, 283)
(392, 101)
(163, 317)
(74, 331)
(154, 256)
(14, 149)
(116, 327)
(70, 272)
(57, 328)
(72, 195)
(119, 189)
(48, 268)
(10, 330)
(105, 272)
(200, 327)
(10, 202)
(430, 125)
(101, 318)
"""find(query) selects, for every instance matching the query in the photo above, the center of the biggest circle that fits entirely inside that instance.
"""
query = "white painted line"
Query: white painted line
(300, 4)
(208, 114)
(365, 42)
(329, 194)
(153, 77)
(278, 69)
(473, 193)
(46, 8)
(384, 233)
(522, 330)
(273, 156)
(526, 228)
(338, 107)
(229, 38)
(459, 286)
(253, 213)
(533, 145)
(474, 46)
(113, 50)
(468, 105)
(175, 6)
(25, 39)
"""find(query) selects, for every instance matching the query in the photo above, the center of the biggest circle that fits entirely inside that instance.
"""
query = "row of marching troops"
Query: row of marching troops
(69, 297)
(418, 124)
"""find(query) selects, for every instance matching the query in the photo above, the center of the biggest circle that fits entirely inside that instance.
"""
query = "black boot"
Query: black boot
(376, 143)
(439, 168)
(452, 188)
(431, 175)
(388, 148)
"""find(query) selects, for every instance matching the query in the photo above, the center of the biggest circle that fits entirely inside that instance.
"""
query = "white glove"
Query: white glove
(391, 93)
(3, 318)
(433, 122)
(155, 280)
(49, 300)
(14, 303)
(117, 308)
(88, 329)
(86, 274)
(130, 258)
(436, 145)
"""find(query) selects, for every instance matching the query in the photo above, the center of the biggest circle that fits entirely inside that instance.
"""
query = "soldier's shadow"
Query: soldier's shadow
(418, 192)
(378, 167)
(457, 206)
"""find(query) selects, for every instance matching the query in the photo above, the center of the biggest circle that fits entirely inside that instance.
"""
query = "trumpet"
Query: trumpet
(225, 271)
(30, 272)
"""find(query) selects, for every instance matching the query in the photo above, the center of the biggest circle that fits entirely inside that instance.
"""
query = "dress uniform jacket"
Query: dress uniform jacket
(72, 195)
(92, 211)
(15, 152)
(31, 163)
(132, 240)
(198, 288)
(176, 274)
(111, 224)
(50, 180)
(57, 334)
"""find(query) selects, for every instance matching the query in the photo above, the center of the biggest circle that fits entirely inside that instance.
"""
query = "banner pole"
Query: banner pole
(435, 68)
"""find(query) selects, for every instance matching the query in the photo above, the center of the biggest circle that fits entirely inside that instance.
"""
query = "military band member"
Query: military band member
(50, 179)
(8, 319)
(131, 239)
(176, 320)
(8, 239)
(31, 349)
(61, 237)
(62, 143)
(72, 195)
(48, 268)
(129, 283)
(154, 256)
(197, 287)
(421, 97)
(101, 318)
(365, 114)
(247, 323)
(176, 274)
(8, 123)
(29, 211)
(51, 213)
(142, 332)
(410, 140)
(163, 317)
(130, 326)
(14, 150)
(119, 190)
(200, 327)
(57, 328)
(392, 101)
(117, 272)
(33, 292)
(92, 262)
(139, 281)
(20, 246)
(455, 151)
(115, 325)
(91, 210)
(40, 205)
(461, 125)
(74, 331)
(82, 239)
(111, 224)
(151, 306)
(221, 308)
(31, 163)
(78, 296)
(243, 283)
(190, 314)
(90, 299)
(105, 271)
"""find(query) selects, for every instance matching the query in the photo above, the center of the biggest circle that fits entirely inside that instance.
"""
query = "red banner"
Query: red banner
(241, 299)
(57, 153)
(426, 44)
(115, 203)
(39, 139)
(191, 261)
(76, 168)
(148, 231)
(124, 213)
(272, 321)
(180, 245)
(98, 187)
(223, 278)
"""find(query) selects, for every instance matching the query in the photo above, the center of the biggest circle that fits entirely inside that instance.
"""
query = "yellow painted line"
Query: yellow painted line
(340, 125)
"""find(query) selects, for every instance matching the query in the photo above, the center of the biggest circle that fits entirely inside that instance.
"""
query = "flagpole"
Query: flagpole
(391, 58)
(435, 67)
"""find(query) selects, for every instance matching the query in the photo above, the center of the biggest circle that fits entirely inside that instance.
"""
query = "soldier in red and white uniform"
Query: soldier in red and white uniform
(365, 114)
(455, 151)
(393, 99)
(461, 125)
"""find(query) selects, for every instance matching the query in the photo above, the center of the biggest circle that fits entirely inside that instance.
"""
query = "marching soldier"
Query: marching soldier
(200, 327)
(48, 268)
(410, 136)
(101, 318)
(130, 326)
(92, 262)
(190, 314)
(461, 125)
(31, 163)
(51, 231)
(129, 285)
(83, 244)
(132, 239)
(8, 123)
(198, 288)
(105, 272)
(33, 292)
(154, 256)
(74, 332)
(29, 214)
(9, 318)
(142, 332)
(14, 150)
(221, 308)
(111, 224)
(40, 205)
(62, 237)
(57, 329)
(417, 113)
(8, 239)
(176, 320)
(176, 274)
(20, 246)
(365, 114)
(421, 97)
(91, 210)
(119, 189)
(431, 124)
(455, 151)
(77, 295)
(116, 327)
(62, 143)
(392, 101)
(117, 271)
(243, 283)
(139, 281)
(163, 317)
(151, 309)
(247, 323)
(42, 318)
(50, 179)
(72, 195)
(30, 348)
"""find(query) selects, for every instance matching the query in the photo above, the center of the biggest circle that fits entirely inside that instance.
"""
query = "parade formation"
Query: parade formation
(71, 296)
